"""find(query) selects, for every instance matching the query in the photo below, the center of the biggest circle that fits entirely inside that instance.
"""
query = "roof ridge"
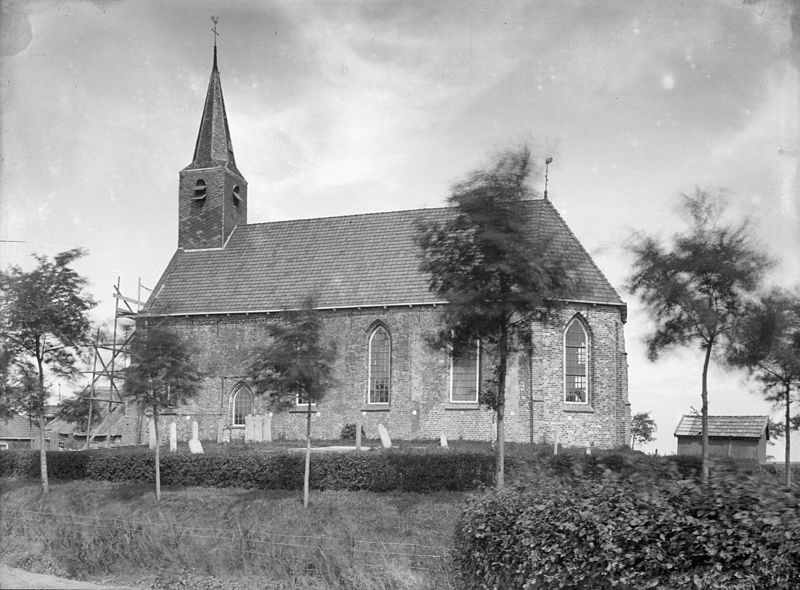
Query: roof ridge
(727, 416)
(371, 214)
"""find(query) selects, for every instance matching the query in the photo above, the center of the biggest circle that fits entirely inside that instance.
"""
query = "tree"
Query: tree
(767, 343)
(643, 428)
(696, 288)
(44, 324)
(162, 374)
(495, 273)
(80, 409)
(295, 368)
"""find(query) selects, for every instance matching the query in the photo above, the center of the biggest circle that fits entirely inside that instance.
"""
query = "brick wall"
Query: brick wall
(419, 401)
(207, 223)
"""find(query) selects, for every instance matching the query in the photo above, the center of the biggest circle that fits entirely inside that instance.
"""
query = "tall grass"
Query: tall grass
(232, 538)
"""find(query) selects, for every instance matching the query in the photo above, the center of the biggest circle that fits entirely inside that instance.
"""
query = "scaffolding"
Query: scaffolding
(110, 359)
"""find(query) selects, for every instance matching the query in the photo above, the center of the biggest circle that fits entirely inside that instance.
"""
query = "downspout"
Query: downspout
(530, 387)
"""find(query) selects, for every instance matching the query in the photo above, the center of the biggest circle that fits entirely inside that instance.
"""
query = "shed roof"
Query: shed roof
(349, 261)
(724, 426)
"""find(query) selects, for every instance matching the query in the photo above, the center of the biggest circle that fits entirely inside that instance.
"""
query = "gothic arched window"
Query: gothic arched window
(380, 364)
(576, 363)
(465, 374)
(241, 404)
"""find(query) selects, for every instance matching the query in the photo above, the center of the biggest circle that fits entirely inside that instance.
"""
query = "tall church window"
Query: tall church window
(576, 366)
(465, 374)
(241, 405)
(380, 361)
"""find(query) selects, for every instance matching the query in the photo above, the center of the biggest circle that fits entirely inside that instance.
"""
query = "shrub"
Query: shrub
(738, 532)
(283, 470)
(19, 463)
(68, 465)
(443, 470)
(349, 432)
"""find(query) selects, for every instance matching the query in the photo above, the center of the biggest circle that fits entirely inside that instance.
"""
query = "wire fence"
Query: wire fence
(367, 552)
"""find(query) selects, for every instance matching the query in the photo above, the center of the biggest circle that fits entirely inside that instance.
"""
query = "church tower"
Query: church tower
(212, 193)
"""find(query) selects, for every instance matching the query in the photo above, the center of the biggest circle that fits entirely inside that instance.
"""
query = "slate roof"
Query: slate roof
(61, 426)
(213, 146)
(349, 261)
(18, 428)
(723, 426)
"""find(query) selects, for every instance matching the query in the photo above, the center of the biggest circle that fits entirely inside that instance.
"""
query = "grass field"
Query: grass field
(211, 538)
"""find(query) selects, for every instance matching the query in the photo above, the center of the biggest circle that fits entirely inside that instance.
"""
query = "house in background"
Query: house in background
(738, 437)
(20, 432)
(112, 427)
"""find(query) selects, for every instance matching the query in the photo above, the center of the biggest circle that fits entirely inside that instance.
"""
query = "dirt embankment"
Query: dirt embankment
(11, 577)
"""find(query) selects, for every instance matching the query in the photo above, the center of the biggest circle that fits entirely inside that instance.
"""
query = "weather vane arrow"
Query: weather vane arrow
(215, 20)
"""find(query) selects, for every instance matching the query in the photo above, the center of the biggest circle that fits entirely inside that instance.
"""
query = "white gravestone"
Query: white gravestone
(384, 434)
(249, 426)
(443, 440)
(194, 443)
(173, 436)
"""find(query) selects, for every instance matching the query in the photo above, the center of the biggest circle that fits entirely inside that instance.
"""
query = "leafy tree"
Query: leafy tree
(493, 270)
(695, 288)
(44, 323)
(295, 368)
(162, 373)
(643, 428)
(767, 343)
(78, 410)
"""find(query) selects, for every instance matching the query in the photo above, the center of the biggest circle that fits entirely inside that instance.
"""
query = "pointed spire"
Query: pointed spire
(213, 147)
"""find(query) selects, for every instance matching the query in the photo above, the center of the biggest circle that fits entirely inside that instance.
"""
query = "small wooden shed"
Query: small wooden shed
(738, 437)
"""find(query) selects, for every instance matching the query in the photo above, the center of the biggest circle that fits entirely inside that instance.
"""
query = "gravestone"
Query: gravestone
(443, 440)
(173, 436)
(220, 427)
(384, 434)
(266, 428)
(226, 435)
(194, 443)
(249, 427)
(358, 435)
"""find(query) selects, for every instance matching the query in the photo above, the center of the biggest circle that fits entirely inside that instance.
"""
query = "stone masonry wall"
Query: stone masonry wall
(419, 405)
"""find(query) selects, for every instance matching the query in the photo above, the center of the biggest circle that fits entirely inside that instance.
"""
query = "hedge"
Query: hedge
(738, 532)
(374, 471)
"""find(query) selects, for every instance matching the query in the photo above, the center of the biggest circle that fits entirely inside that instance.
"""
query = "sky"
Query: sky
(350, 107)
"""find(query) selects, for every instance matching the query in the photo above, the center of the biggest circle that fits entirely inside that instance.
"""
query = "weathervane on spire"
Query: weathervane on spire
(215, 20)
(547, 163)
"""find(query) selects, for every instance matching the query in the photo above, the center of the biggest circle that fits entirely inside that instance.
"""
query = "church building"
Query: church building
(229, 279)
